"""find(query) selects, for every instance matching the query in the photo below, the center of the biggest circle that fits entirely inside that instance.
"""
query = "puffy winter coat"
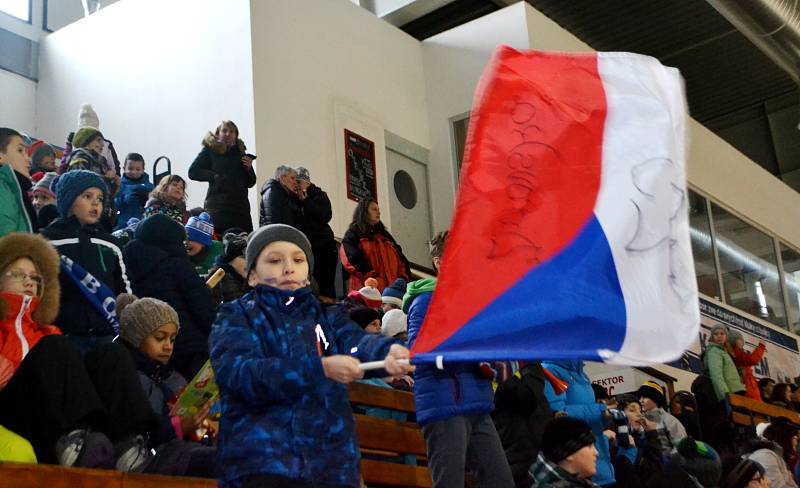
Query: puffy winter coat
(18, 331)
(724, 375)
(131, 199)
(14, 215)
(278, 206)
(228, 178)
(280, 414)
(579, 402)
(745, 361)
(440, 394)
(99, 254)
(373, 255)
(315, 214)
(171, 277)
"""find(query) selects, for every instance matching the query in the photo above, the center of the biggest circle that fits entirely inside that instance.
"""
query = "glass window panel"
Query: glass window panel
(749, 267)
(704, 266)
(20, 9)
(791, 280)
(460, 128)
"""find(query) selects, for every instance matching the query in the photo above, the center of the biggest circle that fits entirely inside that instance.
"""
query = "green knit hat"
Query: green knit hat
(84, 136)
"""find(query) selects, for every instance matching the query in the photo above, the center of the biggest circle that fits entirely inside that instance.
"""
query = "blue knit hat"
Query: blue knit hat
(393, 294)
(200, 229)
(71, 184)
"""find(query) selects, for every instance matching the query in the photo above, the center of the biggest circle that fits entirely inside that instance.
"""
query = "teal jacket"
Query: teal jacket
(13, 216)
(722, 371)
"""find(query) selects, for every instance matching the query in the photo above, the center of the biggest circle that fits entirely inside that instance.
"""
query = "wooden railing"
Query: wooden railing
(747, 411)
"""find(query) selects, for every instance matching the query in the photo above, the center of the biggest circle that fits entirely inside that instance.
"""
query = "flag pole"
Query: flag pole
(372, 365)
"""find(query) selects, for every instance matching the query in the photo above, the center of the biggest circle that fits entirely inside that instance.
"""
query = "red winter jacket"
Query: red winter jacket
(376, 255)
(18, 332)
(745, 361)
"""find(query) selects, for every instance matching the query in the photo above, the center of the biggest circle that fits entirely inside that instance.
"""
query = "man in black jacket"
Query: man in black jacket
(315, 213)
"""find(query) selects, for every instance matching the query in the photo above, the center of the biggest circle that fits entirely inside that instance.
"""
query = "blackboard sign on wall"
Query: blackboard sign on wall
(359, 153)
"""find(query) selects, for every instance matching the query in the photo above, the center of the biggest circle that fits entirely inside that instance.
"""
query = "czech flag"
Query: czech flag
(570, 238)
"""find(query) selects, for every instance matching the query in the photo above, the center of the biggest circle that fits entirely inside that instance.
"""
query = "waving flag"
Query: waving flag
(570, 238)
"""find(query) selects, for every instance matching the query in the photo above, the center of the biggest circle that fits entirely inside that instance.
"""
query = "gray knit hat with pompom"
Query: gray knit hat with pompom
(140, 317)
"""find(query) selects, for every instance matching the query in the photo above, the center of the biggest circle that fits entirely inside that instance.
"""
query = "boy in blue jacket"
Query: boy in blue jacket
(134, 192)
(282, 362)
(454, 405)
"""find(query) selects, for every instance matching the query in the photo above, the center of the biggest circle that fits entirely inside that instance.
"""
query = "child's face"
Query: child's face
(21, 278)
(40, 199)
(647, 404)
(193, 248)
(176, 190)
(134, 169)
(373, 327)
(88, 207)
(96, 145)
(48, 163)
(281, 264)
(634, 412)
(16, 156)
(389, 306)
(158, 345)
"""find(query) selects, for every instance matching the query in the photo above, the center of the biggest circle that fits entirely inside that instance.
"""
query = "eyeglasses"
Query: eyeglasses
(21, 276)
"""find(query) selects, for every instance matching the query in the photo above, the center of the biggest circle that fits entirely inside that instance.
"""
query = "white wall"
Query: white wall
(156, 92)
(18, 106)
(324, 67)
(454, 61)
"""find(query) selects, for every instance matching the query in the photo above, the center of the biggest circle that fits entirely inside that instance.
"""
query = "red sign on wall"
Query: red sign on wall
(359, 153)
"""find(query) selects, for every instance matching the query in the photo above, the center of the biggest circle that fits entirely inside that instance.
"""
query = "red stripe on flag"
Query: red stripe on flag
(529, 181)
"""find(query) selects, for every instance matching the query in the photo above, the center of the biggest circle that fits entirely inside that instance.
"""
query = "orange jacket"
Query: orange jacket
(18, 332)
(376, 256)
(745, 361)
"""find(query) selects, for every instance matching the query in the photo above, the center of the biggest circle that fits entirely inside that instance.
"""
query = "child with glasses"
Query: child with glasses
(88, 412)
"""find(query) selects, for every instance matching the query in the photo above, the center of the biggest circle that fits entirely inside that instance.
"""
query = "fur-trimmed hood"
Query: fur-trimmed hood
(214, 145)
(45, 257)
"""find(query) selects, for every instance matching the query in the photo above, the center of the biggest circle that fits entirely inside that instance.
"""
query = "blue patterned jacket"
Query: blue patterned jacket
(280, 414)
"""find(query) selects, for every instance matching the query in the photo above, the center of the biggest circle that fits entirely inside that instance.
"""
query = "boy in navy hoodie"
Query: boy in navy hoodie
(282, 363)
(81, 196)
(134, 192)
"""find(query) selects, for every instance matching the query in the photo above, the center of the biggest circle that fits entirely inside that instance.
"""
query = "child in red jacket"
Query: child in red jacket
(745, 361)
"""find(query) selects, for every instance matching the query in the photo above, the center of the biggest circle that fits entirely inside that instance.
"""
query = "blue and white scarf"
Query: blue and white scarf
(99, 295)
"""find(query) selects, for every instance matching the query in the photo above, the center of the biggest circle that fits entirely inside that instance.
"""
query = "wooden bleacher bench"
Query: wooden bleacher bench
(42, 475)
(380, 440)
(389, 439)
(747, 411)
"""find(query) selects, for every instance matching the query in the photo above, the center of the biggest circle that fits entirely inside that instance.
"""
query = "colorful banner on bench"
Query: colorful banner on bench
(570, 237)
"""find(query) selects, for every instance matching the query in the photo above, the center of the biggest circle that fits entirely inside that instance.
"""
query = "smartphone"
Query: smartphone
(251, 156)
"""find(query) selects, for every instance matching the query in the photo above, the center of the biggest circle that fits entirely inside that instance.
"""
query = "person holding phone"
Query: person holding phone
(228, 168)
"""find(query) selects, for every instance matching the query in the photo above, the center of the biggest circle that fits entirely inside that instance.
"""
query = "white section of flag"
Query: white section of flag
(644, 173)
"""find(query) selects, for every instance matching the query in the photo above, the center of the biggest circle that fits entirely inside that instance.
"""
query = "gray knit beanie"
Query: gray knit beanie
(264, 236)
(733, 336)
(139, 317)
